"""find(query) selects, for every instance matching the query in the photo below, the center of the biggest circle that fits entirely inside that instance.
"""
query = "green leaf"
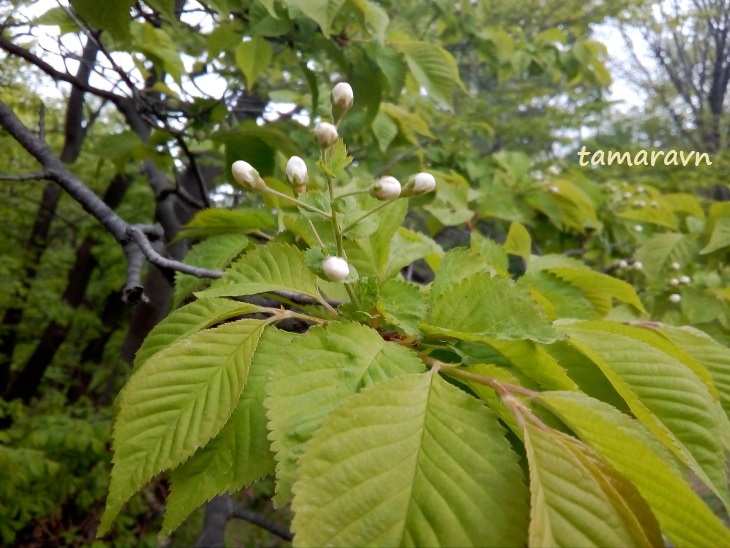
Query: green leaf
(720, 237)
(189, 319)
(384, 129)
(175, 403)
(312, 374)
(450, 205)
(411, 462)
(158, 46)
(481, 307)
(660, 217)
(114, 18)
(659, 251)
(236, 457)
(599, 288)
(323, 12)
(403, 304)
(253, 57)
(272, 267)
(518, 241)
(579, 500)
(635, 454)
(433, 67)
(663, 393)
(214, 222)
(376, 18)
(494, 253)
(713, 356)
(569, 208)
(407, 246)
(215, 253)
(535, 362)
(457, 263)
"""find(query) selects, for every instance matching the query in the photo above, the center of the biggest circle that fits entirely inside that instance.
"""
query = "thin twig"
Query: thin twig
(260, 521)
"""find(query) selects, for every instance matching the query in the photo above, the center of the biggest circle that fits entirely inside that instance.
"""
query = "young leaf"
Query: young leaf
(175, 403)
(494, 253)
(403, 304)
(664, 394)
(413, 461)
(214, 222)
(635, 454)
(661, 249)
(321, 11)
(433, 67)
(215, 253)
(457, 263)
(518, 241)
(253, 57)
(481, 307)
(580, 500)
(236, 457)
(187, 320)
(273, 267)
(599, 288)
(311, 374)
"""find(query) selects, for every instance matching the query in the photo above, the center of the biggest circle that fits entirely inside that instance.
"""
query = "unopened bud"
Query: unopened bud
(247, 176)
(296, 174)
(638, 228)
(385, 188)
(342, 99)
(674, 282)
(674, 266)
(638, 265)
(622, 264)
(554, 189)
(420, 183)
(326, 135)
(685, 280)
(335, 268)
(675, 298)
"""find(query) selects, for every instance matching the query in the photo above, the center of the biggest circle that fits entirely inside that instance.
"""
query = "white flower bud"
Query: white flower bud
(638, 265)
(638, 228)
(685, 280)
(296, 171)
(325, 135)
(627, 195)
(246, 175)
(674, 266)
(385, 188)
(342, 99)
(420, 183)
(622, 264)
(640, 188)
(674, 282)
(675, 298)
(655, 204)
(335, 268)
(554, 188)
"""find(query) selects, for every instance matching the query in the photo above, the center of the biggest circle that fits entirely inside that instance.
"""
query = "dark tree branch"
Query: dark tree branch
(29, 177)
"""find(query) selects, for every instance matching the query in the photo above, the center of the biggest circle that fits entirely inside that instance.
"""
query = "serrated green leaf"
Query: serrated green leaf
(720, 237)
(571, 208)
(236, 457)
(411, 462)
(494, 253)
(216, 222)
(518, 241)
(450, 205)
(376, 18)
(660, 250)
(253, 57)
(599, 288)
(311, 374)
(566, 300)
(189, 319)
(535, 362)
(457, 263)
(433, 67)
(272, 267)
(663, 393)
(323, 12)
(215, 253)
(407, 246)
(481, 307)
(403, 304)
(175, 403)
(635, 454)
(579, 500)
(713, 356)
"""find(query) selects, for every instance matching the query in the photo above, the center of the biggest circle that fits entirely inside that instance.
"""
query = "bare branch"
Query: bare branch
(257, 519)
(29, 177)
